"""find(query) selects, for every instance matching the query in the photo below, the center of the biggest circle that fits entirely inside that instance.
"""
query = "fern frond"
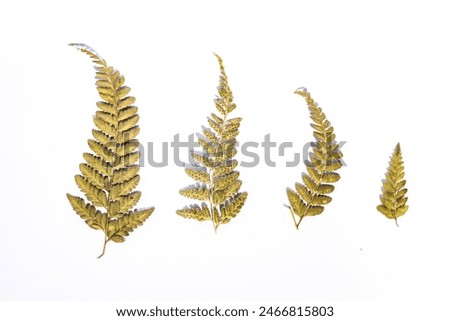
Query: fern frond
(109, 176)
(194, 211)
(218, 181)
(199, 174)
(123, 226)
(196, 191)
(93, 217)
(309, 197)
(393, 199)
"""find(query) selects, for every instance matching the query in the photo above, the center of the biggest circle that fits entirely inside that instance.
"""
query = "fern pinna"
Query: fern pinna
(109, 175)
(214, 168)
(393, 198)
(309, 197)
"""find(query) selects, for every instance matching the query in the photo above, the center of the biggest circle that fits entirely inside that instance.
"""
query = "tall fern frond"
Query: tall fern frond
(109, 175)
(310, 196)
(214, 170)
(393, 198)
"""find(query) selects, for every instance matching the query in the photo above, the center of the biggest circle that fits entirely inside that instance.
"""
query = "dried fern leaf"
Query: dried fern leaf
(110, 175)
(215, 171)
(393, 199)
(310, 196)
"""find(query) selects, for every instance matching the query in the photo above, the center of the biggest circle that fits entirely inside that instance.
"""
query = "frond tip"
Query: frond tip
(109, 176)
(215, 171)
(310, 196)
(393, 198)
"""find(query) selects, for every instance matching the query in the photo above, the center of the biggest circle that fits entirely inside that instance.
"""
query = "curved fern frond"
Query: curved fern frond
(109, 176)
(310, 196)
(215, 171)
(393, 198)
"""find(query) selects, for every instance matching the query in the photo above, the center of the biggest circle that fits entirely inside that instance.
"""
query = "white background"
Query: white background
(379, 70)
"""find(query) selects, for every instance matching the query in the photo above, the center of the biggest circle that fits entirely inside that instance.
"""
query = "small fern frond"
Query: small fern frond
(310, 196)
(393, 198)
(109, 176)
(215, 171)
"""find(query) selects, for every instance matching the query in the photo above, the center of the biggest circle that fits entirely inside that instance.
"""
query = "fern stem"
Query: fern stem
(293, 215)
(211, 179)
(211, 199)
(298, 224)
(104, 247)
(396, 223)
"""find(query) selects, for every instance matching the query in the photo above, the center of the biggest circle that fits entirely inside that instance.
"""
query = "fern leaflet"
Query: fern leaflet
(109, 175)
(393, 198)
(310, 196)
(214, 170)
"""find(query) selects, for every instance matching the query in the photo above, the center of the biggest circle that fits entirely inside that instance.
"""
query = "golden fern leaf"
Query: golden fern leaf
(218, 182)
(109, 175)
(310, 196)
(393, 199)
